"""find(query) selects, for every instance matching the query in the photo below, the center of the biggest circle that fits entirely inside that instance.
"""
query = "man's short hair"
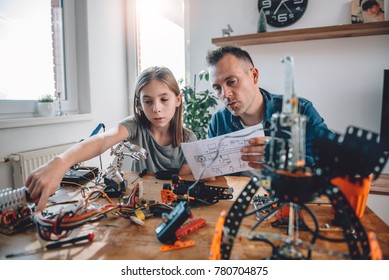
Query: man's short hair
(214, 56)
(368, 4)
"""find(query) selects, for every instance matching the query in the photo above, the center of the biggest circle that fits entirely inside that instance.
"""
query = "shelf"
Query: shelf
(315, 33)
(381, 185)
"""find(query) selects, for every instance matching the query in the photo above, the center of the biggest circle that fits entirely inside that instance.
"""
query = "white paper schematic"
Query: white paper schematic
(219, 155)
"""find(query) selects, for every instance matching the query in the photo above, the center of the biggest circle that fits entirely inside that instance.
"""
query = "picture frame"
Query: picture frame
(363, 11)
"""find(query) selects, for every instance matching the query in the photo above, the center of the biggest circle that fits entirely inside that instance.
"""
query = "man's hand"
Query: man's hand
(254, 152)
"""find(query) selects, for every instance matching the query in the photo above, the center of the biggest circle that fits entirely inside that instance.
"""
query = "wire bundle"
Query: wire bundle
(61, 224)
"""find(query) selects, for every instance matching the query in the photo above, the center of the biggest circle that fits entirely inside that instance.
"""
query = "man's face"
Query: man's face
(235, 83)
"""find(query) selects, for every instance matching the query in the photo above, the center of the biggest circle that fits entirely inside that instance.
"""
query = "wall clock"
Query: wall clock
(281, 13)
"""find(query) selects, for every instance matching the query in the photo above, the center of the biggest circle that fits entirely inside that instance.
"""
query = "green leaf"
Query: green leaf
(197, 105)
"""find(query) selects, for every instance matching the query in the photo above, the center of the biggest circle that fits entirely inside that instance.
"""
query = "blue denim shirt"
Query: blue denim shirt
(224, 122)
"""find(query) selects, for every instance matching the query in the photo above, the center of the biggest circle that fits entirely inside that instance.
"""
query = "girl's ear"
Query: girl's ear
(179, 100)
(138, 105)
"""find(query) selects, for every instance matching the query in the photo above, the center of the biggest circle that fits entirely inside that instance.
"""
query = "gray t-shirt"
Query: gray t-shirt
(160, 157)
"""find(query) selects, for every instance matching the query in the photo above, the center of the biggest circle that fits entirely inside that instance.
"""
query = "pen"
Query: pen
(55, 245)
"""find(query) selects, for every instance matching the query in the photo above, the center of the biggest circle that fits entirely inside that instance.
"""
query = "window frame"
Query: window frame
(16, 109)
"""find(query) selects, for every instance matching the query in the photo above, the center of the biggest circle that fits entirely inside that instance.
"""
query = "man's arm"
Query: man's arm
(315, 124)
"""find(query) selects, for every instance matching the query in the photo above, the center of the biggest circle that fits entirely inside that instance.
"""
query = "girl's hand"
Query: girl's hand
(44, 182)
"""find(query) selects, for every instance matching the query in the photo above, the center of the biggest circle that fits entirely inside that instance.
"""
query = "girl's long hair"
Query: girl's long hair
(166, 76)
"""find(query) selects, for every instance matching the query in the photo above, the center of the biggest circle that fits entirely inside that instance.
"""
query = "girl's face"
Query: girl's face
(159, 103)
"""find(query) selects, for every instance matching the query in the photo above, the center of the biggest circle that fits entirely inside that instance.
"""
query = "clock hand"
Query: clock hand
(287, 6)
(279, 5)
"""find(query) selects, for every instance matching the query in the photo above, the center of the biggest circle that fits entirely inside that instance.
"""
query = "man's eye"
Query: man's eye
(232, 82)
(217, 89)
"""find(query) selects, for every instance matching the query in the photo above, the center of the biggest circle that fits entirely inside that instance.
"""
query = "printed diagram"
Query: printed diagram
(224, 160)
(219, 155)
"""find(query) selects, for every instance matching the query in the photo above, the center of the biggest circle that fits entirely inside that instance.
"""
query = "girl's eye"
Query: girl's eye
(147, 101)
(165, 99)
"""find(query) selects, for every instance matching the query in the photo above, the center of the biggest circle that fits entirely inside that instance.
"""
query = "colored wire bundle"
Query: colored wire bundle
(61, 224)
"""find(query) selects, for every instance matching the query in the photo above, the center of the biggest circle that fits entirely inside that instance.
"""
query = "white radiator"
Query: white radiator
(23, 163)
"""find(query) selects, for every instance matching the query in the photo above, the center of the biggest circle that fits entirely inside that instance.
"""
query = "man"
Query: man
(235, 81)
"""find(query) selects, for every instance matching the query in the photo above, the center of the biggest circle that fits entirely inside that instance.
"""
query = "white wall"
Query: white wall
(342, 77)
(108, 86)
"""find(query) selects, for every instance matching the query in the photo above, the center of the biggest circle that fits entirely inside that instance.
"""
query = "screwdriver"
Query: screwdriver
(140, 175)
(55, 245)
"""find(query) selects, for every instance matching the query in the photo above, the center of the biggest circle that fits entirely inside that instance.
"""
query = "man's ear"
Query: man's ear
(255, 74)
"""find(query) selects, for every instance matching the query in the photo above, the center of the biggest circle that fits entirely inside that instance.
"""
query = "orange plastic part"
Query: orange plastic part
(355, 192)
(177, 245)
(375, 249)
(214, 254)
(167, 196)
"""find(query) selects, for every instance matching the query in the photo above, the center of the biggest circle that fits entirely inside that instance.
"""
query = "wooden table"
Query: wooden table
(118, 238)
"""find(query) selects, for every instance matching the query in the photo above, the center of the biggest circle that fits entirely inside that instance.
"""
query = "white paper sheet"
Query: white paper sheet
(219, 155)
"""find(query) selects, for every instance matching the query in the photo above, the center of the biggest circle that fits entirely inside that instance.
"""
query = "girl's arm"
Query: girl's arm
(45, 180)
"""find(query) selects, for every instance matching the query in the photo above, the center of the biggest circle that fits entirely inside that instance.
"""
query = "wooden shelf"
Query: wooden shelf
(381, 185)
(315, 33)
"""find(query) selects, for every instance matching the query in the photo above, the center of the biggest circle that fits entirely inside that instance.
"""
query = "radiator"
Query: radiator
(23, 163)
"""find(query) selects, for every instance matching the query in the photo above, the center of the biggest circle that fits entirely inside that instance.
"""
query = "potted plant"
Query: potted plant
(46, 106)
(197, 105)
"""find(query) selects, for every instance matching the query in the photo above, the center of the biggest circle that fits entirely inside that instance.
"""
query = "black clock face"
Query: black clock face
(281, 13)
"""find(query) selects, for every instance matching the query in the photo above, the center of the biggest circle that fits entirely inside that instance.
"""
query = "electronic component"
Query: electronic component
(198, 192)
(166, 231)
(79, 176)
(15, 214)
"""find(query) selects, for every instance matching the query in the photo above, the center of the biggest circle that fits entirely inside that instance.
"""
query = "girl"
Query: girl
(155, 126)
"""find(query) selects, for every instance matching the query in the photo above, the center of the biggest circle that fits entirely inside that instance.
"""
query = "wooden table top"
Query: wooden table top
(118, 238)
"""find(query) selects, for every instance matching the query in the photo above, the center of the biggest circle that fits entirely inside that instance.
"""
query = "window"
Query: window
(32, 55)
(161, 36)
